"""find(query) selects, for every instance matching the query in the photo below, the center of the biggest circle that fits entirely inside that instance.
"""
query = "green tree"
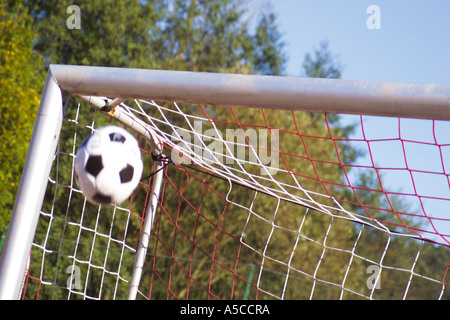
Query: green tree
(194, 35)
(269, 57)
(113, 33)
(204, 35)
(184, 35)
(21, 81)
(322, 64)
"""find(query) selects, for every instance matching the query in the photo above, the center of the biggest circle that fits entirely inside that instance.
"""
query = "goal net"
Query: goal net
(286, 194)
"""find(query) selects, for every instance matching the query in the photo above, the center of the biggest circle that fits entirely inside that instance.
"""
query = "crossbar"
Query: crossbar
(389, 99)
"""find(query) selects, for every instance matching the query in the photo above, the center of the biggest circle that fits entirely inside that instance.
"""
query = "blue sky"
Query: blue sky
(412, 45)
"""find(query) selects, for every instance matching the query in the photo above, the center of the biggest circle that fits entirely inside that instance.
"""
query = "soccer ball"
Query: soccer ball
(108, 166)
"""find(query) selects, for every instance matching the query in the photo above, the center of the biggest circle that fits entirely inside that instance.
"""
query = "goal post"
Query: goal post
(212, 188)
(291, 93)
(30, 195)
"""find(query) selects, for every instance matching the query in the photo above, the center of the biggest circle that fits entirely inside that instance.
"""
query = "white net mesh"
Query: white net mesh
(255, 204)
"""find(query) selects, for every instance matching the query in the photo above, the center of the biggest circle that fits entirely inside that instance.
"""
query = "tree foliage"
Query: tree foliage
(322, 64)
(196, 35)
(112, 33)
(269, 58)
(21, 81)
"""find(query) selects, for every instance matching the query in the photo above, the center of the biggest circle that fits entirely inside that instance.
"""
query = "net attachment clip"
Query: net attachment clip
(110, 106)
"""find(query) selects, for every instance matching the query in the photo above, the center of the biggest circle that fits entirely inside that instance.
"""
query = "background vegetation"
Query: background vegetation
(197, 35)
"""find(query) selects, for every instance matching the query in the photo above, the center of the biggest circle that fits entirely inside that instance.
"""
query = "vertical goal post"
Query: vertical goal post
(93, 84)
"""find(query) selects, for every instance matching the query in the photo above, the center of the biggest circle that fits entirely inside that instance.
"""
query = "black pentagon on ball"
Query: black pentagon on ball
(126, 174)
(94, 165)
(117, 137)
(102, 199)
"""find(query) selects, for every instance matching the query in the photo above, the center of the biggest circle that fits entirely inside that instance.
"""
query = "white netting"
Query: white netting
(257, 204)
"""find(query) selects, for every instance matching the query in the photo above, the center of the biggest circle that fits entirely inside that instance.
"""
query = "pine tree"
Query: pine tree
(269, 57)
(322, 64)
